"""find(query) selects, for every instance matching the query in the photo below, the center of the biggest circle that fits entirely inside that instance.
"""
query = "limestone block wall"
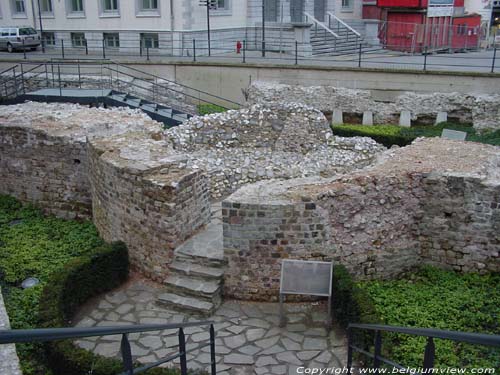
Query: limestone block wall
(46, 169)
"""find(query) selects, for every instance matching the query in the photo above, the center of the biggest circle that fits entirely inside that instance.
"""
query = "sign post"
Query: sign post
(210, 4)
(306, 277)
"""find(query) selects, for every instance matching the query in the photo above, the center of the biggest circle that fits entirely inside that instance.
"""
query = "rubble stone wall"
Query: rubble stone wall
(483, 111)
(48, 170)
(417, 206)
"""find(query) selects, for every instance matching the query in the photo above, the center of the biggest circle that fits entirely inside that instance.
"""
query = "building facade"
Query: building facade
(169, 24)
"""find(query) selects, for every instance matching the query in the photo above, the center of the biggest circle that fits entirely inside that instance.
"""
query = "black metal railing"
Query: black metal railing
(430, 349)
(18, 336)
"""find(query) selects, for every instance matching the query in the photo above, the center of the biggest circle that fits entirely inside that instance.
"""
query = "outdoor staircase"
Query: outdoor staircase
(197, 271)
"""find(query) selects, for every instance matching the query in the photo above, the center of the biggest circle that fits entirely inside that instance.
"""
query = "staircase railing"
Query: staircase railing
(429, 354)
(321, 25)
(52, 334)
(349, 29)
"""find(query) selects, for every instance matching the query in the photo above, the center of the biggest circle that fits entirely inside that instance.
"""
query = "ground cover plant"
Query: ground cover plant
(206, 109)
(390, 135)
(32, 245)
(435, 298)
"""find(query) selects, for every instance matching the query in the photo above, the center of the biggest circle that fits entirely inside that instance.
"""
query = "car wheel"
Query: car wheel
(10, 49)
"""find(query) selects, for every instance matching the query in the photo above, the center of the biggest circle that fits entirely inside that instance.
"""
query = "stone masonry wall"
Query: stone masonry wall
(48, 170)
(153, 206)
(481, 110)
(428, 203)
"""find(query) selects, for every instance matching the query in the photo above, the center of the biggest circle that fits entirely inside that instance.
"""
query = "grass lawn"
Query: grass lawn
(32, 245)
(434, 298)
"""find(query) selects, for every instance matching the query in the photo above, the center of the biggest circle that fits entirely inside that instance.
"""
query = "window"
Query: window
(149, 40)
(149, 4)
(110, 5)
(27, 31)
(19, 6)
(78, 39)
(49, 38)
(76, 6)
(111, 40)
(346, 4)
(222, 4)
(46, 6)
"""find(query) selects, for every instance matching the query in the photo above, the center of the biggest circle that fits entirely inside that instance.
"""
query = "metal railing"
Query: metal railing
(106, 74)
(429, 354)
(51, 334)
(357, 35)
(316, 23)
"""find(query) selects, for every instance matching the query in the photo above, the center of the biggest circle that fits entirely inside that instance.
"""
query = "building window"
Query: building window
(148, 5)
(76, 6)
(110, 5)
(222, 4)
(18, 6)
(49, 38)
(46, 6)
(346, 4)
(78, 39)
(111, 40)
(150, 40)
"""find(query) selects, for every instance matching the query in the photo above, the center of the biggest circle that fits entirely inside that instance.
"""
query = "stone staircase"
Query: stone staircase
(197, 271)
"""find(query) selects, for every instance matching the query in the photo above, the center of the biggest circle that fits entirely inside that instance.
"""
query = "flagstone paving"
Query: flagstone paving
(248, 339)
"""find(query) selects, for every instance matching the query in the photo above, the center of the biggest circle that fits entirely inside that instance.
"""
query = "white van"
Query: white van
(12, 38)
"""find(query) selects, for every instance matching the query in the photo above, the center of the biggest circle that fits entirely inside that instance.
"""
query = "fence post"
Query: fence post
(15, 79)
(62, 48)
(59, 75)
(46, 75)
(296, 53)
(127, 355)
(359, 54)
(103, 49)
(430, 350)
(494, 59)
(79, 76)
(349, 349)
(182, 351)
(22, 79)
(425, 58)
(378, 349)
(147, 53)
(140, 47)
(212, 350)
(244, 51)
(24, 50)
(194, 49)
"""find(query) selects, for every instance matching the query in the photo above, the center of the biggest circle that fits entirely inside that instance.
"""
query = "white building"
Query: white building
(173, 24)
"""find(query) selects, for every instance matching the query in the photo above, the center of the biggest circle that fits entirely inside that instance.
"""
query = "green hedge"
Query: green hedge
(390, 135)
(79, 280)
(206, 109)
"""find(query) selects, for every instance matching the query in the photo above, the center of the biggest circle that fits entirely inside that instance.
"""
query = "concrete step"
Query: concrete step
(192, 287)
(183, 303)
(186, 267)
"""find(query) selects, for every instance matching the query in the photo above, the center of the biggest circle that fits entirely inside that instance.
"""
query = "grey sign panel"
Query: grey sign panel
(306, 277)
(454, 135)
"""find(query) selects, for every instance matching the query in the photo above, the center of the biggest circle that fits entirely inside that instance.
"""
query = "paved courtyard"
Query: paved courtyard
(248, 338)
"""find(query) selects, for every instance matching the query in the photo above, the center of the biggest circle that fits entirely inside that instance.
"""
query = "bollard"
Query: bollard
(194, 49)
(103, 49)
(296, 53)
(24, 50)
(494, 59)
(86, 47)
(147, 53)
(425, 59)
(359, 55)
(62, 48)
(244, 51)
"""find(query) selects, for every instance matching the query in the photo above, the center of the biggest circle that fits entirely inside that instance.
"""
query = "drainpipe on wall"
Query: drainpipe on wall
(172, 18)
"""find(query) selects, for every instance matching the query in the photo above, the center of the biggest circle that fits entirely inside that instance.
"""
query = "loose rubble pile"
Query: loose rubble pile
(264, 142)
(480, 110)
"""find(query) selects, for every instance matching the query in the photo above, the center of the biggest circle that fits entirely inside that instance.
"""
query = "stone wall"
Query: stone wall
(9, 361)
(144, 199)
(428, 203)
(49, 170)
(480, 110)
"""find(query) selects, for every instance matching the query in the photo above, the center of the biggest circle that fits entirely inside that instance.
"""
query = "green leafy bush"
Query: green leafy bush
(206, 109)
(390, 135)
(434, 298)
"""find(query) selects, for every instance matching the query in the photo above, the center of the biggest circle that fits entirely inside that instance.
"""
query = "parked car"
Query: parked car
(12, 38)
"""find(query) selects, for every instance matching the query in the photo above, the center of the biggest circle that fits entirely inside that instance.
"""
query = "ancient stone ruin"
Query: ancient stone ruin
(289, 189)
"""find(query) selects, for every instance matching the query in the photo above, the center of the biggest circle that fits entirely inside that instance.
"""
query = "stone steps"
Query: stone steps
(197, 270)
(184, 303)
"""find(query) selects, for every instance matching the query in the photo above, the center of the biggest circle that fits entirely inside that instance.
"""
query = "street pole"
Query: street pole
(263, 28)
(208, 25)
(41, 25)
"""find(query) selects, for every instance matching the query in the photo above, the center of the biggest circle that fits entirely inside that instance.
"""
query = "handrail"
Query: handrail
(51, 334)
(9, 69)
(344, 24)
(471, 338)
(430, 333)
(321, 24)
(16, 336)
